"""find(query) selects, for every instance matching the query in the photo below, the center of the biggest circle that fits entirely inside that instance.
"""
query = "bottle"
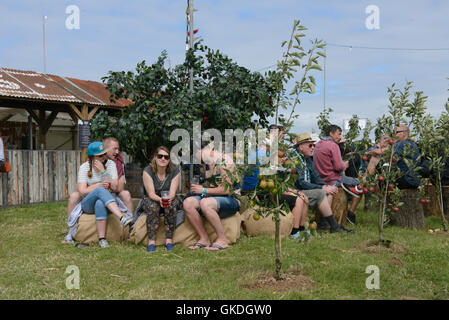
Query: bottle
(107, 178)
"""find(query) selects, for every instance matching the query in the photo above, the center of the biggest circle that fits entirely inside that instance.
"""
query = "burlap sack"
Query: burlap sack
(265, 226)
(87, 229)
(185, 234)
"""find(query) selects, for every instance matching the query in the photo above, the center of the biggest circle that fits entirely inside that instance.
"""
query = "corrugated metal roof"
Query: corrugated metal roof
(35, 85)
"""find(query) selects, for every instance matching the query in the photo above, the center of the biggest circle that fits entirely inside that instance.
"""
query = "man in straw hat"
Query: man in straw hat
(310, 183)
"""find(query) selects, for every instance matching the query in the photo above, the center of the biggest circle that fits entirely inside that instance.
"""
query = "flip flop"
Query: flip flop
(198, 245)
(216, 246)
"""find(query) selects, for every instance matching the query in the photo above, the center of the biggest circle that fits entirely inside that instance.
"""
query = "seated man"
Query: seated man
(113, 153)
(329, 164)
(215, 203)
(295, 200)
(354, 170)
(404, 147)
(310, 183)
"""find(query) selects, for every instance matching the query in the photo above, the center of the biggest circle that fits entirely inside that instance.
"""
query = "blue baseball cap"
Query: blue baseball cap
(96, 149)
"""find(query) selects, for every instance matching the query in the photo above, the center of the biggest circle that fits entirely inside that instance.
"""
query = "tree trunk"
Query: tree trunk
(445, 191)
(277, 246)
(411, 214)
(431, 208)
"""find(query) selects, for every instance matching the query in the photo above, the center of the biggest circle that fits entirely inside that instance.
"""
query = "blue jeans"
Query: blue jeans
(96, 202)
(346, 180)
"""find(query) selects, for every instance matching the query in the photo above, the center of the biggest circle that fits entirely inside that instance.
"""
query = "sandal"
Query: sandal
(198, 245)
(216, 246)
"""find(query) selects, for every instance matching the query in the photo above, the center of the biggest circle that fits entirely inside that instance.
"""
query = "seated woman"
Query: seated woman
(214, 203)
(95, 178)
(159, 177)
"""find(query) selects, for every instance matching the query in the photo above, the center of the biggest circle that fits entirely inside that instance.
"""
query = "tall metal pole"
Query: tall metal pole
(43, 43)
(324, 93)
(190, 46)
(190, 2)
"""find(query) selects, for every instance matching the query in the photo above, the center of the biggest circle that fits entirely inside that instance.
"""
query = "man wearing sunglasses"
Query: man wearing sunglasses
(310, 183)
(406, 148)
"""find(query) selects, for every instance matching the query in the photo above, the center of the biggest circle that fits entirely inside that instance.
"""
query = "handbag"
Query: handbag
(6, 167)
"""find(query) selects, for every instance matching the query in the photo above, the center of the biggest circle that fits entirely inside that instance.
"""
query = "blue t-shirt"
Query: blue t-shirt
(250, 179)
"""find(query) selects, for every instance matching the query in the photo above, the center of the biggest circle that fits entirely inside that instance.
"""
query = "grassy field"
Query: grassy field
(34, 262)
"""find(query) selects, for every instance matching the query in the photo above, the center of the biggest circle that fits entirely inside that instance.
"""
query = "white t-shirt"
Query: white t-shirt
(111, 168)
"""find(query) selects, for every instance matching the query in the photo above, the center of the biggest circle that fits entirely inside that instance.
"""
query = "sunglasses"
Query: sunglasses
(311, 145)
(400, 131)
(166, 157)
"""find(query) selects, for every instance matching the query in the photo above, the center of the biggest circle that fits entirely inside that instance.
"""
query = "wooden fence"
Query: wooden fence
(40, 176)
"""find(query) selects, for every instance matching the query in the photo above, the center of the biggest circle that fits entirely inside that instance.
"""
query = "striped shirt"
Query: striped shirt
(111, 168)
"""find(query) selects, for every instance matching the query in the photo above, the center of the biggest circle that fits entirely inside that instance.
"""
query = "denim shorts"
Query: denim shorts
(226, 205)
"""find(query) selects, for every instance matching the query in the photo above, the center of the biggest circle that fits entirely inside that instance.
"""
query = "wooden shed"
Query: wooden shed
(39, 174)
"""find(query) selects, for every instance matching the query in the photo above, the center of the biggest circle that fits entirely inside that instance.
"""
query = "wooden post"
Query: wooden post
(44, 124)
(85, 115)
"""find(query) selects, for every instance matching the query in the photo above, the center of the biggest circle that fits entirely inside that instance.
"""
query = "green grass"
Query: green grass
(33, 264)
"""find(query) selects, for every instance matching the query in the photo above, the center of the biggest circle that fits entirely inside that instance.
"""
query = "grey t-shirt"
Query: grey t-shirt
(158, 184)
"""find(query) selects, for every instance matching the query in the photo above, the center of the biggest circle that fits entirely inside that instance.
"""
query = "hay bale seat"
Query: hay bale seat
(265, 225)
(86, 231)
(185, 234)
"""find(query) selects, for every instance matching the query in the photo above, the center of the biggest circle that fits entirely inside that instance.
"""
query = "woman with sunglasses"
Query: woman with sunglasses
(158, 177)
(95, 178)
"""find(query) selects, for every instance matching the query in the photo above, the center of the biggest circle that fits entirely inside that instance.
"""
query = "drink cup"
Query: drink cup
(107, 179)
(165, 199)
(195, 180)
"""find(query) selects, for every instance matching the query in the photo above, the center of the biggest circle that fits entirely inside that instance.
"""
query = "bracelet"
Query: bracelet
(203, 194)
(103, 172)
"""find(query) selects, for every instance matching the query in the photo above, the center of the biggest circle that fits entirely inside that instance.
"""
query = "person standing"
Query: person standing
(2, 153)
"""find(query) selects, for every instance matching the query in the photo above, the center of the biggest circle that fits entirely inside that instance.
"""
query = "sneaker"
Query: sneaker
(169, 246)
(350, 217)
(295, 235)
(300, 236)
(353, 191)
(125, 221)
(104, 243)
(151, 248)
(68, 241)
(341, 229)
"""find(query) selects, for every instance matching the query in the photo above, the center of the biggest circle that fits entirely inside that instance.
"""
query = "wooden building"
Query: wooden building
(34, 106)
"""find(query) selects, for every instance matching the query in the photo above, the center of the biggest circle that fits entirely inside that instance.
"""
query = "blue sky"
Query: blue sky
(116, 35)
